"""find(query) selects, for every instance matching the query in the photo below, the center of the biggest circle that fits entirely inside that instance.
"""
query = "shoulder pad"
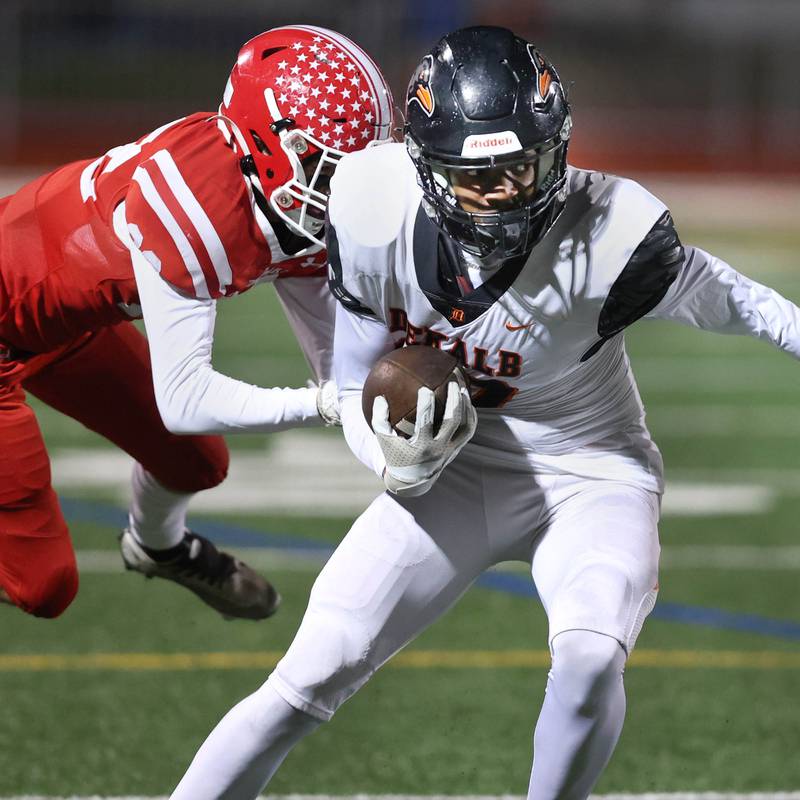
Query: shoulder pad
(372, 191)
(336, 276)
(187, 206)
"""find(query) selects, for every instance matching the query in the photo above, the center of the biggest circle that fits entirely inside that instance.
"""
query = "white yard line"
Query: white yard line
(309, 474)
(720, 421)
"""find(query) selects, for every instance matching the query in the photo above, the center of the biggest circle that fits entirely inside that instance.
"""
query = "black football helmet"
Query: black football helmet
(487, 126)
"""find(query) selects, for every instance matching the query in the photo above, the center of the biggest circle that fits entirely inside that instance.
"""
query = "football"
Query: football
(399, 375)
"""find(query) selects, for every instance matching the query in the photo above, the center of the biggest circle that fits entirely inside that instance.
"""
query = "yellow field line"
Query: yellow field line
(415, 659)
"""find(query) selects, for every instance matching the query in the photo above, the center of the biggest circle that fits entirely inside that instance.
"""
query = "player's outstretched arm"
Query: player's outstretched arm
(711, 295)
(191, 396)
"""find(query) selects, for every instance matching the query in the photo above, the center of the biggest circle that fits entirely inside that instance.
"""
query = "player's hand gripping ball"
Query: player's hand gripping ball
(398, 377)
(418, 405)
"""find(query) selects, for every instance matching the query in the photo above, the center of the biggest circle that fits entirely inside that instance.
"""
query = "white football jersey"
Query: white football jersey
(529, 334)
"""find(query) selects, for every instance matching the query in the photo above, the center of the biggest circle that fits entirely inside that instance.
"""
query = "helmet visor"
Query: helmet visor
(487, 189)
(496, 207)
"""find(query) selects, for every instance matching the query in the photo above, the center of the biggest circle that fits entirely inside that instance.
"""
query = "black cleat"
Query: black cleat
(220, 580)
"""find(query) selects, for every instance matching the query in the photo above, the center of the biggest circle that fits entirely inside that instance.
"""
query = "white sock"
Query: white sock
(245, 749)
(581, 717)
(157, 516)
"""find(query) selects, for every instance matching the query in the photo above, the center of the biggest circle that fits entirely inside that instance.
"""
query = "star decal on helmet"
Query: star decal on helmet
(308, 75)
(298, 99)
(420, 91)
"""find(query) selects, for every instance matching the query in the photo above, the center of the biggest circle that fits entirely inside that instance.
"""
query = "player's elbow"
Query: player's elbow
(180, 427)
(176, 417)
(180, 403)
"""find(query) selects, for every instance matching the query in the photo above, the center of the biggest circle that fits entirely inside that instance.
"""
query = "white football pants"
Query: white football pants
(593, 547)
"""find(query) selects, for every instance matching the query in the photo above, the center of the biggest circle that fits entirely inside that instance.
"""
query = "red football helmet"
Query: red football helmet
(298, 99)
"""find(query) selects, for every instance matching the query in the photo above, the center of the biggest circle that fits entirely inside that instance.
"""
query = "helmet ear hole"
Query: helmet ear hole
(260, 143)
(270, 51)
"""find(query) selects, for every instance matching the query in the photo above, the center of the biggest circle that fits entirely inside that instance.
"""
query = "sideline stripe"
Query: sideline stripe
(521, 585)
(647, 796)
(411, 659)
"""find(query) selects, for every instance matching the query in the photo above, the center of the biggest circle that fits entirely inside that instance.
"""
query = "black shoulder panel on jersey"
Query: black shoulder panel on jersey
(643, 282)
(336, 278)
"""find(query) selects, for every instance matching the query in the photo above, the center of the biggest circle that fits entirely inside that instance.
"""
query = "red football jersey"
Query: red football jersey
(63, 270)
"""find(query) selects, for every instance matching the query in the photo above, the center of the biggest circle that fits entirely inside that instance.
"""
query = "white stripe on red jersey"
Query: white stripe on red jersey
(197, 216)
(190, 260)
(158, 131)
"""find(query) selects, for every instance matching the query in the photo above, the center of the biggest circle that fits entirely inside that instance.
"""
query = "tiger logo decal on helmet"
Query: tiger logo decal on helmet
(419, 90)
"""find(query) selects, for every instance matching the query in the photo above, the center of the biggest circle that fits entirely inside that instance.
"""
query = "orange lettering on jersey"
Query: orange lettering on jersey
(479, 360)
(414, 334)
(510, 364)
(459, 351)
(456, 315)
(434, 339)
(398, 320)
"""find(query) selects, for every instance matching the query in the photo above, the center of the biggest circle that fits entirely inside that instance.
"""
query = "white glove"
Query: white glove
(328, 403)
(413, 465)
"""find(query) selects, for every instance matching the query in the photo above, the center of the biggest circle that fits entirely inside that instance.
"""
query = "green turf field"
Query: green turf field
(115, 697)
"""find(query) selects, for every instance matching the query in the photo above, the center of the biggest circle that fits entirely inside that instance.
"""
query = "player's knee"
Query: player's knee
(50, 593)
(586, 665)
(211, 470)
(343, 640)
(340, 665)
(201, 464)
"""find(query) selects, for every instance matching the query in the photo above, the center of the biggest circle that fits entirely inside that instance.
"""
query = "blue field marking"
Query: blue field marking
(523, 586)
(225, 533)
(727, 620)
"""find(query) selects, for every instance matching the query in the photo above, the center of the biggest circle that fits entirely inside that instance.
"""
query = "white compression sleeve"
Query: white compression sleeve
(709, 294)
(192, 397)
(358, 343)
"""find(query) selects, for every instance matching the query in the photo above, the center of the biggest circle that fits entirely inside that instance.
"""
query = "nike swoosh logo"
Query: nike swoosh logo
(510, 327)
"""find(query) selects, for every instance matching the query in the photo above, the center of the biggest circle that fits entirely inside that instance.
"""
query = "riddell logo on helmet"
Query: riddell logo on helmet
(490, 144)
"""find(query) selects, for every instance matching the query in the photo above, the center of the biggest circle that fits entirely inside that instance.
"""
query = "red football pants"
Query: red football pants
(105, 383)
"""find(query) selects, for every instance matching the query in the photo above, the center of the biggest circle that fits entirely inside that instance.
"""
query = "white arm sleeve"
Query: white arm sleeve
(358, 343)
(191, 396)
(311, 310)
(711, 295)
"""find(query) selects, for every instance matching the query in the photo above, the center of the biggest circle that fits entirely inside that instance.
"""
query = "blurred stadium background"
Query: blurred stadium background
(698, 99)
